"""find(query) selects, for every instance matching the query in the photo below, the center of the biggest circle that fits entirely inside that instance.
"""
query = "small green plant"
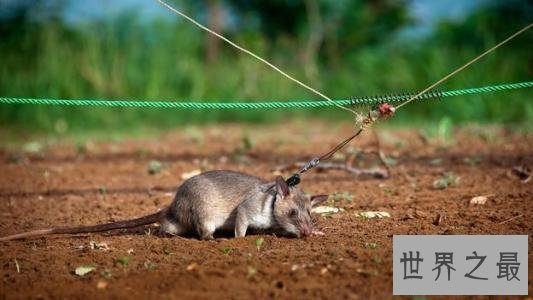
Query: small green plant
(246, 143)
(106, 274)
(371, 245)
(154, 167)
(102, 190)
(445, 130)
(123, 260)
(446, 180)
(387, 190)
(442, 132)
(259, 243)
(226, 250)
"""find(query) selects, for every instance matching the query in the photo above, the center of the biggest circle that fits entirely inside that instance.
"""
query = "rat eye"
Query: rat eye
(293, 213)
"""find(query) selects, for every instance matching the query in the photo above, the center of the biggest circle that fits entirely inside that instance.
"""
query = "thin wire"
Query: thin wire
(253, 55)
(465, 65)
(339, 146)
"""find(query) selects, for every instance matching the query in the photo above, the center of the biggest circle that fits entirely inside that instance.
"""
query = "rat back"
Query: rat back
(210, 200)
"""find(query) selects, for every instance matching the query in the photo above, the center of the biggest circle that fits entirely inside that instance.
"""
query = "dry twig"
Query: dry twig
(509, 220)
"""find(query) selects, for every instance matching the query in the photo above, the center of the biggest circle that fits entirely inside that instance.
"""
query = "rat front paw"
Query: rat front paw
(317, 232)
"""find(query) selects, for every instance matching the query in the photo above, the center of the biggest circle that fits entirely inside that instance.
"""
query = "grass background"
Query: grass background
(124, 58)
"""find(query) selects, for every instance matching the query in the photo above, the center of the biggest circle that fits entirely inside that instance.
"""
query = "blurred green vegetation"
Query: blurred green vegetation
(343, 48)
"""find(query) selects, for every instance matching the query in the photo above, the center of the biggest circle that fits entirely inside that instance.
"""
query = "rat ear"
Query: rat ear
(282, 187)
(317, 199)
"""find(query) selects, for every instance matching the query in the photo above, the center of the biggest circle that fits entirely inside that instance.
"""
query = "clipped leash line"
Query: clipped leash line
(172, 9)
(385, 110)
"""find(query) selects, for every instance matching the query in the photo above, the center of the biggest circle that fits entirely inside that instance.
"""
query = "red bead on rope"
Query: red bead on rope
(386, 110)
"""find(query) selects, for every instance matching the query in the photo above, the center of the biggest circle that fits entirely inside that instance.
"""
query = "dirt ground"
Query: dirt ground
(67, 184)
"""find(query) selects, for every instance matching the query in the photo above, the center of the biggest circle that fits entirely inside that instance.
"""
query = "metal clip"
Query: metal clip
(295, 179)
(311, 164)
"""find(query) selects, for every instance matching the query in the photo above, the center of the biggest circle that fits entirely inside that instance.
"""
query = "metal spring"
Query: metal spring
(434, 94)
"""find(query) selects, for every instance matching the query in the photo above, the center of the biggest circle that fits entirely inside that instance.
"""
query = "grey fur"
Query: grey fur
(234, 201)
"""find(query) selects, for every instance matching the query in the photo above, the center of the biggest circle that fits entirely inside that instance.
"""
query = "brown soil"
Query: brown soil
(67, 185)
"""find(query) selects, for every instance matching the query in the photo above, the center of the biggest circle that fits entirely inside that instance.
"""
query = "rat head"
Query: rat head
(292, 209)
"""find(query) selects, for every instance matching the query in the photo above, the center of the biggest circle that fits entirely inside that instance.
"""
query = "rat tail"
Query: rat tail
(146, 220)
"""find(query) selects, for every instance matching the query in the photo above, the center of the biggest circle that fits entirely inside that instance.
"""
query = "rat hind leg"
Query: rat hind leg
(206, 231)
(172, 227)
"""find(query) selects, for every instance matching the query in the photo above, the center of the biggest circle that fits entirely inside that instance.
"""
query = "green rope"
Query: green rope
(259, 105)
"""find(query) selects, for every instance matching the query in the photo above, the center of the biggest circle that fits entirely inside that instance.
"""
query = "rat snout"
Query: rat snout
(305, 226)
(305, 230)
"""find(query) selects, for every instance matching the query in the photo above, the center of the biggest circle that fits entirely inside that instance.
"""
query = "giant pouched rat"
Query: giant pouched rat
(220, 200)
